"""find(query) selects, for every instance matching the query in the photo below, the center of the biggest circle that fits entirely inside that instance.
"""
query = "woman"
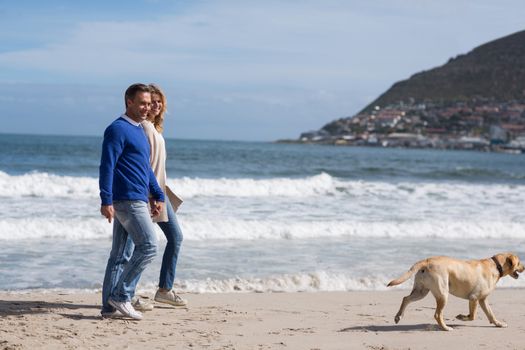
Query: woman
(167, 220)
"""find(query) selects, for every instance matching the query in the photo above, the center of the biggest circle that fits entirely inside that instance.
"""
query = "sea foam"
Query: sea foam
(49, 185)
(202, 229)
(318, 281)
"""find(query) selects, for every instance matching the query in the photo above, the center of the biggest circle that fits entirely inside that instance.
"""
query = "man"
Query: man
(126, 182)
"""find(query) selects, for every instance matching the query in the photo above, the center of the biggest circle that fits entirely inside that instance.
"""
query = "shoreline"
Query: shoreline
(335, 143)
(312, 320)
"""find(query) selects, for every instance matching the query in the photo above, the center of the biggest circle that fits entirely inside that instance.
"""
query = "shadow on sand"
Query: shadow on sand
(25, 307)
(405, 328)
(392, 328)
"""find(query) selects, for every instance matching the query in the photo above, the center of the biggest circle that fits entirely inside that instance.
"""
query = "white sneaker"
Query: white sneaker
(169, 298)
(126, 309)
(141, 304)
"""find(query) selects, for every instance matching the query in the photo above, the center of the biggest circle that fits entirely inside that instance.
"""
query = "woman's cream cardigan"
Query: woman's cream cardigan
(158, 164)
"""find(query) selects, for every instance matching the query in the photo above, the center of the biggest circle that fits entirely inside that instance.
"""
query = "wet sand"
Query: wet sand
(324, 320)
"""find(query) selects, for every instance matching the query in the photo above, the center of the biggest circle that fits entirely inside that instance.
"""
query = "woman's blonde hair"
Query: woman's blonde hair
(159, 119)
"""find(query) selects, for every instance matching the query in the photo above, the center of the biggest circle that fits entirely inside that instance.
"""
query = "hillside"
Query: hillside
(494, 71)
(474, 101)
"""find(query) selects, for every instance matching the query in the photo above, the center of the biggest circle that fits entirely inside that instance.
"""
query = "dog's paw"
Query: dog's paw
(397, 318)
(447, 328)
(463, 317)
(500, 324)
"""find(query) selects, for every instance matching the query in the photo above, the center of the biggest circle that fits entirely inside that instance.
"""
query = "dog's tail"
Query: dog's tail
(415, 268)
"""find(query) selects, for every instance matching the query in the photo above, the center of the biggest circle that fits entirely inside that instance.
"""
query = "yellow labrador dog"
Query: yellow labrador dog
(473, 280)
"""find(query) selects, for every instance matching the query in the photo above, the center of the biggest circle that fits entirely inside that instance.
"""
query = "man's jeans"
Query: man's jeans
(131, 218)
(174, 237)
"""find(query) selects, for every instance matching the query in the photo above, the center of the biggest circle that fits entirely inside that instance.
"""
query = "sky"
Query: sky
(231, 69)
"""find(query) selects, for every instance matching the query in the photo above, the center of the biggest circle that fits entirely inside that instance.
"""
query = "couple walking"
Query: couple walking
(133, 176)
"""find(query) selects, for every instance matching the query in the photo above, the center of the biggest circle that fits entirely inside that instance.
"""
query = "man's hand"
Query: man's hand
(156, 207)
(107, 211)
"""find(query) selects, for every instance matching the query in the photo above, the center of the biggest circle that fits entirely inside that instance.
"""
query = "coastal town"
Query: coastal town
(474, 125)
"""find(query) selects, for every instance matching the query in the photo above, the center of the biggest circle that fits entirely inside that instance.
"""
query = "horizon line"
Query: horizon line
(167, 138)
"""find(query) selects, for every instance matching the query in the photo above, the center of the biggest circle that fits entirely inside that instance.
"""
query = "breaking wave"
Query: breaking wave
(47, 185)
(201, 229)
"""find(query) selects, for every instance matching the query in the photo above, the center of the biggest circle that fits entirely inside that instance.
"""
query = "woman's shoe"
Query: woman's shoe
(169, 298)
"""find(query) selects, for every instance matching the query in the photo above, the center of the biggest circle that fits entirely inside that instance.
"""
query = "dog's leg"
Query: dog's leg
(490, 315)
(440, 292)
(441, 301)
(472, 306)
(415, 295)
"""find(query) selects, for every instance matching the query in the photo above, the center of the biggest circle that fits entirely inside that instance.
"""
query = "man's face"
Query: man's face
(139, 107)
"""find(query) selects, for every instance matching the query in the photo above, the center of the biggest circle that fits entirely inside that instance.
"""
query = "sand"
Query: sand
(324, 320)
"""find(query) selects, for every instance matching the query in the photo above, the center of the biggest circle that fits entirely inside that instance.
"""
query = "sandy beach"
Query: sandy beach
(323, 320)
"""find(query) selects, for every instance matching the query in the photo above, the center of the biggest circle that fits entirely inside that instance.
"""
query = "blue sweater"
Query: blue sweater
(125, 170)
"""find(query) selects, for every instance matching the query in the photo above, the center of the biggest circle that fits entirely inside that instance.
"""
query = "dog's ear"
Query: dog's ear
(512, 261)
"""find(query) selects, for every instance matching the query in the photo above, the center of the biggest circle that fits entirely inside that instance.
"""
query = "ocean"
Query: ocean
(262, 217)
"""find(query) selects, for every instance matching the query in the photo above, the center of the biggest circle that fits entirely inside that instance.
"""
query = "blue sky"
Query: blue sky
(232, 69)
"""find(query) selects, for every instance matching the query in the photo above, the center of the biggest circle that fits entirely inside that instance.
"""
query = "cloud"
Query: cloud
(236, 69)
(308, 42)
(296, 42)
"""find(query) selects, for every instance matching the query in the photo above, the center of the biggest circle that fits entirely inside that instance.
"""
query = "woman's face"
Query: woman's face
(156, 105)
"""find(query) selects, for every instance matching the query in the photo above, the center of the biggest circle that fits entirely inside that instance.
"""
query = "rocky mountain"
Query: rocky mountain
(475, 100)
(493, 71)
